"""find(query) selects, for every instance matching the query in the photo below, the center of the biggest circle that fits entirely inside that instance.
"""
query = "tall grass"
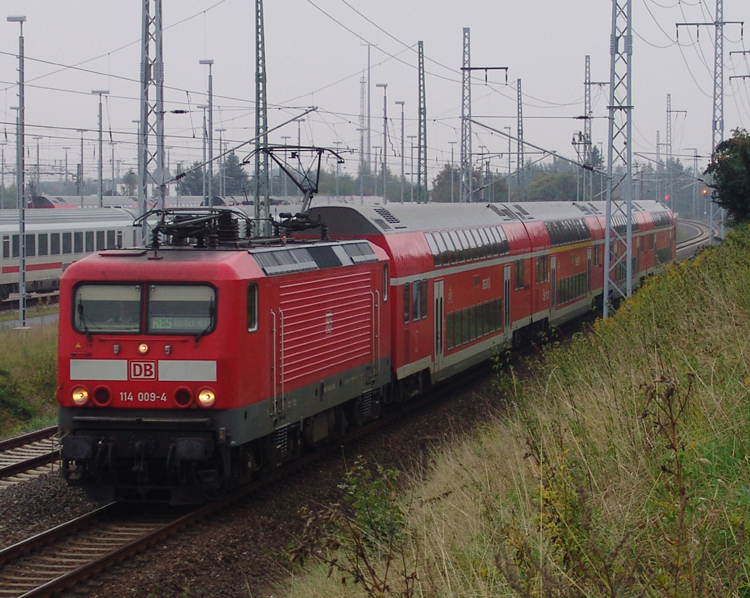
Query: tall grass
(28, 378)
(622, 469)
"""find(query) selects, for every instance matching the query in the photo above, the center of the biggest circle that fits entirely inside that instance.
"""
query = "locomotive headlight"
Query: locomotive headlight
(206, 397)
(80, 395)
(143, 348)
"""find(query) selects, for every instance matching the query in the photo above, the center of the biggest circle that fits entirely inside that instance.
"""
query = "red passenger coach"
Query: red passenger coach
(471, 279)
(184, 368)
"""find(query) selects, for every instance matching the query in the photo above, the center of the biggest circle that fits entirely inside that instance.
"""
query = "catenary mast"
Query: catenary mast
(422, 141)
(261, 127)
(618, 249)
(151, 163)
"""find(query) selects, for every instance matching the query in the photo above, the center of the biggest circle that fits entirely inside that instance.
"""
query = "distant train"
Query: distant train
(185, 367)
(122, 201)
(54, 240)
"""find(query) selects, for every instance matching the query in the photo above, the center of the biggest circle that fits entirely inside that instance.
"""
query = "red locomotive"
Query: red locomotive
(186, 366)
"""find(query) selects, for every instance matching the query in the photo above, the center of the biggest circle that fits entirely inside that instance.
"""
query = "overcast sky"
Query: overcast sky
(317, 53)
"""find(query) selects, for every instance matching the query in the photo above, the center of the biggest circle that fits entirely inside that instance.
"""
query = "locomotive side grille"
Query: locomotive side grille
(325, 324)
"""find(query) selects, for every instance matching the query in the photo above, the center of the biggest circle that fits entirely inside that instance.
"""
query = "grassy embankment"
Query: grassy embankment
(28, 377)
(622, 469)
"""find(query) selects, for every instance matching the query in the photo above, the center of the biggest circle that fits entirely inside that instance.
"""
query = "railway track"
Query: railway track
(26, 456)
(58, 559)
(697, 235)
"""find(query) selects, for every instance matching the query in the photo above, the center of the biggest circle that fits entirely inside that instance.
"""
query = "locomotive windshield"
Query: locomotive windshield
(180, 309)
(171, 309)
(102, 308)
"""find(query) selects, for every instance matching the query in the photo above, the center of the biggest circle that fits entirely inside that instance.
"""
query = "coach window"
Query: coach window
(450, 253)
(42, 246)
(67, 242)
(15, 246)
(100, 240)
(461, 255)
(449, 330)
(519, 274)
(443, 249)
(181, 309)
(416, 302)
(6, 247)
(407, 303)
(541, 269)
(423, 298)
(89, 241)
(252, 307)
(54, 244)
(465, 330)
(77, 242)
(110, 239)
(119, 238)
(433, 249)
(30, 245)
(466, 244)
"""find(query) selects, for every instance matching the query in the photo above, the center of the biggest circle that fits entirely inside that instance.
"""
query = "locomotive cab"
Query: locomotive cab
(185, 367)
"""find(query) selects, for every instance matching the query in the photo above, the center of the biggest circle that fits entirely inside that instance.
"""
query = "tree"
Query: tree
(552, 186)
(236, 179)
(192, 182)
(130, 180)
(730, 169)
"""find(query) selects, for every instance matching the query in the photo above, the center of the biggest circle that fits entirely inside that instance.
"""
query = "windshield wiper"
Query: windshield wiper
(208, 328)
(82, 320)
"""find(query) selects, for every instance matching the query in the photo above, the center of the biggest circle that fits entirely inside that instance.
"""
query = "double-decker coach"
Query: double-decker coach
(470, 279)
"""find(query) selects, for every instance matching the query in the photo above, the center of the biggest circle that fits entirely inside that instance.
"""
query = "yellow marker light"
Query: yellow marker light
(206, 397)
(143, 348)
(80, 395)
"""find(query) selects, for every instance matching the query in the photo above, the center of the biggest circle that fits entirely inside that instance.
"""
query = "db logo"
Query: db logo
(329, 322)
(143, 370)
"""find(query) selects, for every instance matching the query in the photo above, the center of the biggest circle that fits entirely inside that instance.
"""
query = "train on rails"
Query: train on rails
(188, 365)
(54, 240)
(58, 233)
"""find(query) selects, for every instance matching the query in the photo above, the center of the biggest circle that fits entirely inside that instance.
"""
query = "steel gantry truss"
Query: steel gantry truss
(262, 215)
(521, 187)
(717, 129)
(465, 157)
(422, 151)
(618, 239)
(151, 123)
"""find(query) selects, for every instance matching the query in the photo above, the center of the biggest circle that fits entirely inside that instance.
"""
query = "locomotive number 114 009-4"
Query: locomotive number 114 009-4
(142, 397)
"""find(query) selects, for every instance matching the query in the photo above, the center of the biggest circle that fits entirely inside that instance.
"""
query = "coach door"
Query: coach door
(553, 284)
(506, 307)
(439, 325)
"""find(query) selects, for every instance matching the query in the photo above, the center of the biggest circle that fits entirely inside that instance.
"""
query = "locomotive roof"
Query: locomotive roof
(397, 218)
(273, 260)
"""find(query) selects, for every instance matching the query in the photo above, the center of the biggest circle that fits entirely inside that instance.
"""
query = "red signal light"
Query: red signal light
(666, 198)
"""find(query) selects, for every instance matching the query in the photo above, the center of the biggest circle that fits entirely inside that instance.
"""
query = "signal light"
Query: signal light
(705, 192)
(666, 198)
